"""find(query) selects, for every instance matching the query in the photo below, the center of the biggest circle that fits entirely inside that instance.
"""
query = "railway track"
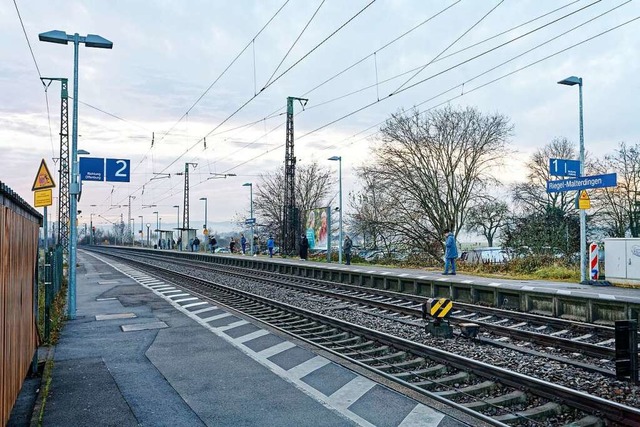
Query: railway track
(592, 340)
(491, 393)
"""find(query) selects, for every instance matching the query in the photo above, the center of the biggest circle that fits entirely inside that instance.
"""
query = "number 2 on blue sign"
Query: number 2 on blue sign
(120, 172)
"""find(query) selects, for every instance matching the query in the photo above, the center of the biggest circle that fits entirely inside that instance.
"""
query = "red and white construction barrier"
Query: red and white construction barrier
(594, 265)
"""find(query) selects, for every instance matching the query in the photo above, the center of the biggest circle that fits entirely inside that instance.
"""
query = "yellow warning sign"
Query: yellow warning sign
(43, 178)
(584, 202)
(42, 198)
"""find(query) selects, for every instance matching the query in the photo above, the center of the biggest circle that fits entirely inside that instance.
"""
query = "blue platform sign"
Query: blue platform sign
(250, 221)
(564, 167)
(118, 170)
(91, 168)
(583, 183)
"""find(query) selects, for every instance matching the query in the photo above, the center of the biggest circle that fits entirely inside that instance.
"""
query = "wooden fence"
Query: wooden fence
(19, 232)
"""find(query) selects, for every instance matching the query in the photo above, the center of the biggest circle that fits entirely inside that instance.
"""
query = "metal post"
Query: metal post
(91, 229)
(583, 213)
(74, 189)
(340, 204)
(46, 232)
(251, 215)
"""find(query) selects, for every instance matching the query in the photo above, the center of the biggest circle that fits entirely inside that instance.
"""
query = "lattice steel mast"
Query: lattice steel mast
(63, 181)
(185, 215)
(290, 214)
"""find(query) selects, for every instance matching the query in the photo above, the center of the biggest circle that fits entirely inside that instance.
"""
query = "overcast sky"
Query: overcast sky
(166, 54)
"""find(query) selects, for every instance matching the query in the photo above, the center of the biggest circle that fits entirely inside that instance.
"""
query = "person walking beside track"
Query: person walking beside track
(270, 245)
(450, 253)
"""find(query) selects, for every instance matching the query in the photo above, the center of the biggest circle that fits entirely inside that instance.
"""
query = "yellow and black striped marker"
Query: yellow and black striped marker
(438, 308)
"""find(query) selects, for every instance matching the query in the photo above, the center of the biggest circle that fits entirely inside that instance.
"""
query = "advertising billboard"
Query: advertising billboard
(317, 228)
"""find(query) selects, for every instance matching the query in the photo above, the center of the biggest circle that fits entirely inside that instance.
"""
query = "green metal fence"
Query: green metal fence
(53, 264)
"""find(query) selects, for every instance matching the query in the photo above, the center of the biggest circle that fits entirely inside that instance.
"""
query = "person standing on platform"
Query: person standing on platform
(196, 244)
(243, 243)
(304, 247)
(346, 249)
(450, 253)
(179, 243)
(270, 245)
(256, 246)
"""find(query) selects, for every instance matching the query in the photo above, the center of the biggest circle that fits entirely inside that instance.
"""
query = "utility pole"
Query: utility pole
(63, 199)
(185, 214)
(290, 214)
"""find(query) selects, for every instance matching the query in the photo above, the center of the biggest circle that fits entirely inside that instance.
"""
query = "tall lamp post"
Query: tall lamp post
(205, 211)
(250, 185)
(572, 81)
(91, 40)
(339, 159)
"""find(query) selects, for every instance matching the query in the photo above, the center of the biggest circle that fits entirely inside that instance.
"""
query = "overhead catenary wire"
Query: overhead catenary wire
(450, 45)
(276, 113)
(241, 107)
(252, 41)
(35, 62)
(448, 90)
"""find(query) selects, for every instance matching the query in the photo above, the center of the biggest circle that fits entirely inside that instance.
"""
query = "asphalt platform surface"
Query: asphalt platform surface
(143, 353)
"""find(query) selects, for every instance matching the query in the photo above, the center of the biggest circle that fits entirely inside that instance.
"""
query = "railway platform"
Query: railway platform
(142, 352)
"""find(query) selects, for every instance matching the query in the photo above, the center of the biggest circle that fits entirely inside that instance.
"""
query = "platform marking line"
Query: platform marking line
(467, 281)
(233, 325)
(423, 277)
(422, 415)
(305, 368)
(563, 292)
(328, 402)
(494, 284)
(187, 299)
(276, 349)
(183, 294)
(216, 317)
(527, 288)
(106, 299)
(371, 271)
(386, 273)
(606, 296)
(403, 275)
(352, 391)
(195, 304)
(441, 279)
(251, 336)
(202, 310)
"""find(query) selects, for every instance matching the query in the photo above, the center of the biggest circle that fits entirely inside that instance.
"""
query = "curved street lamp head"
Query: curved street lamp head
(203, 198)
(82, 152)
(570, 81)
(247, 184)
(176, 206)
(156, 212)
(335, 158)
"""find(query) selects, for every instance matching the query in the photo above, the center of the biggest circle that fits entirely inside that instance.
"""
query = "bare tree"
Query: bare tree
(315, 187)
(371, 209)
(487, 218)
(532, 196)
(433, 166)
(618, 210)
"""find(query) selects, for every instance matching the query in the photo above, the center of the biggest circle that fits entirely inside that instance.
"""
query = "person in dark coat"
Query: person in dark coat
(450, 253)
(346, 249)
(304, 247)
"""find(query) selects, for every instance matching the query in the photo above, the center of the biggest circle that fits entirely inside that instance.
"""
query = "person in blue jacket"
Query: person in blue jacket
(450, 253)
(270, 245)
